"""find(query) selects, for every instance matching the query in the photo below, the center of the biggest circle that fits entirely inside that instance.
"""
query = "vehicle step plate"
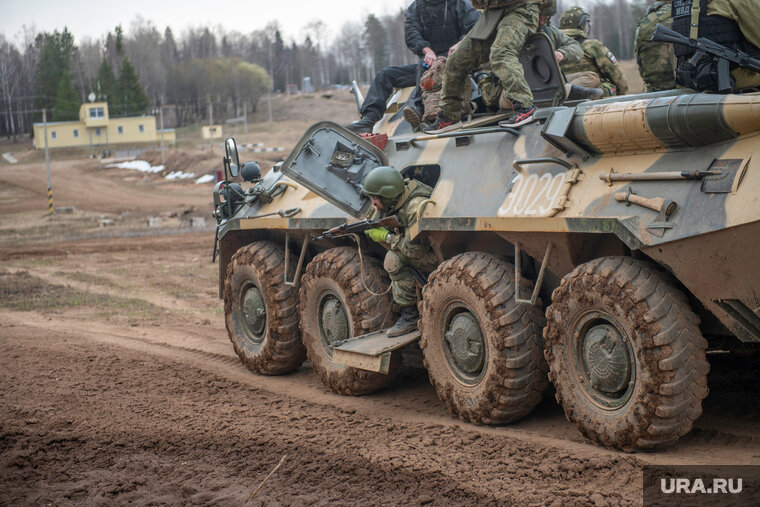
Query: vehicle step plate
(371, 351)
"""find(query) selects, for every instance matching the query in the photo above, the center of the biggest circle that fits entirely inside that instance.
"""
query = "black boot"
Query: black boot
(578, 92)
(406, 323)
(362, 126)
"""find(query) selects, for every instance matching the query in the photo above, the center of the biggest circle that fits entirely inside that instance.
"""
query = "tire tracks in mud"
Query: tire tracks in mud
(714, 440)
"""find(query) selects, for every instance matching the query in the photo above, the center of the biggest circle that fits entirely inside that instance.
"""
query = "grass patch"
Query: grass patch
(87, 278)
(21, 291)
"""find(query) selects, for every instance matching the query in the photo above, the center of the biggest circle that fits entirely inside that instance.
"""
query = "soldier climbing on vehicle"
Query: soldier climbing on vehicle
(598, 68)
(392, 195)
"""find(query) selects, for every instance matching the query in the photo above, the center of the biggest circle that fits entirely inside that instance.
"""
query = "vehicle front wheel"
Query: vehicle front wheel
(625, 354)
(261, 312)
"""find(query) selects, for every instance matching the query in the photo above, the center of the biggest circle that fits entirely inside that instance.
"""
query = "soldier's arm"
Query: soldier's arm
(413, 31)
(412, 248)
(468, 16)
(569, 47)
(609, 69)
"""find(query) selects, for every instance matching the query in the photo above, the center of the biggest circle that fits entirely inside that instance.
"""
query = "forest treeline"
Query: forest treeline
(209, 72)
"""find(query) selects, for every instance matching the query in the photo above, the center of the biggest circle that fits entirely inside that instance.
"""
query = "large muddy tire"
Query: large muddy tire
(335, 306)
(625, 354)
(483, 351)
(261, 312)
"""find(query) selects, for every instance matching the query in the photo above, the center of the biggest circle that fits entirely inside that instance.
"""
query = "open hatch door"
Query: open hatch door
(542, 71)
(332, 162)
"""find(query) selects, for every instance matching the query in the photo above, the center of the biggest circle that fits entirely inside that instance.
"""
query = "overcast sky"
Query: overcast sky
(95, 19)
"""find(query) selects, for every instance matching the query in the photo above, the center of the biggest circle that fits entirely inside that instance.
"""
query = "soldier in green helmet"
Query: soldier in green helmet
(392, 195)
(656, 60)
(598, 68)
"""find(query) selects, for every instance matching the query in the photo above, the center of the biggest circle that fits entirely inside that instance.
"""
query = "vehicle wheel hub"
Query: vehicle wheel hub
(606, 359)
(254, 311)
(333, 320)
(465, 342)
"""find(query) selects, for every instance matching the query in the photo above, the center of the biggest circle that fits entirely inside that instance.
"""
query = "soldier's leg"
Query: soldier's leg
(513, 30)
(382, 87)
(404, 291)
(588, 79)
(469, 54)
(403, 285)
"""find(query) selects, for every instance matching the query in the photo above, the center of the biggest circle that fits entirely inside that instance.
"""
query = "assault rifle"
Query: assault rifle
(356, 227)
(705, 47)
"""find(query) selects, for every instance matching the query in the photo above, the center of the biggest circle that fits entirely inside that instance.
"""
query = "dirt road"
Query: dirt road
(118, 383)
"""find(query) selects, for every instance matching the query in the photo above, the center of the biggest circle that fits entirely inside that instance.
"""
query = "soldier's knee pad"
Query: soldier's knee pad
(392, 263)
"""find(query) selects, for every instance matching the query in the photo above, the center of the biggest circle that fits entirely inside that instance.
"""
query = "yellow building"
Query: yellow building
(96, 128)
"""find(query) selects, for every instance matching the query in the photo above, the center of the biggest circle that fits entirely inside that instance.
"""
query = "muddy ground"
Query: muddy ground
(118, 383)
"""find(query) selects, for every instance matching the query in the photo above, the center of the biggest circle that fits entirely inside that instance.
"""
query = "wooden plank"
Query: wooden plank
(379, 364)
(377, 343)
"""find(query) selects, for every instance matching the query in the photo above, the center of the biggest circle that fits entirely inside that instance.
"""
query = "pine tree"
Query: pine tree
(54, 60)
(66, 101)
(134, 101)
(106, 87)
(376, 41)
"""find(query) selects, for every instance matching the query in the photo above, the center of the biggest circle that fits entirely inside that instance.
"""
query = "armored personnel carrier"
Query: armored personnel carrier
(603, 248)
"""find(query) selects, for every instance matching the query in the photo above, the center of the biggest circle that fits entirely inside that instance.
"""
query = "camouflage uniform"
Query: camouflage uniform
(656, 60)
(596, 58)
(513, 26)
(490, 86)
(406, 253)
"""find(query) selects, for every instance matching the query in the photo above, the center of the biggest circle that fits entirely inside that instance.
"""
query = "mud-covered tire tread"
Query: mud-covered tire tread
(281, 351)
(367, 312)
(517, 374)
(667, 340)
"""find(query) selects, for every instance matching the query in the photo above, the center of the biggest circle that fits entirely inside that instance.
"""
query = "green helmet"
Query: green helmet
(575, 17)
(548, 8)
(383, 181)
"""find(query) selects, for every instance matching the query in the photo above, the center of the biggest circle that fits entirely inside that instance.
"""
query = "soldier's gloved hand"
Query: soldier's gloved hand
(378, 234)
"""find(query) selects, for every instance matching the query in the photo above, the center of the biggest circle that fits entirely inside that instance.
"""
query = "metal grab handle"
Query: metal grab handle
(517, 164)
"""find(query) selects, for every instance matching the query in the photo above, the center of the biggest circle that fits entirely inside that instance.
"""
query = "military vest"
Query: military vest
(718, 29)
(413, 189)
(495, 4)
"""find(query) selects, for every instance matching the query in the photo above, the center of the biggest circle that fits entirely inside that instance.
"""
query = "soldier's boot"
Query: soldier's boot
(443, 124)
(413, 117)
(362, 126)
(406, 323)
(578, 92)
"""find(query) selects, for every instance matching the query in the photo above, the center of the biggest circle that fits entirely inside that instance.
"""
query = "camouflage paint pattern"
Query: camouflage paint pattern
(656, 60)
(501, 51)
(481, 202)
(597, 58)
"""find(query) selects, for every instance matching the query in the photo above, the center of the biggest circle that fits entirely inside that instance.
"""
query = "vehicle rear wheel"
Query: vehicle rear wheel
(335, 306)
(483, 351)
(625, 354)
(261, 312)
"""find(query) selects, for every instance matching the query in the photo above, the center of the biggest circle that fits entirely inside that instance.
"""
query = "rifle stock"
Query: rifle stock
(356, 227)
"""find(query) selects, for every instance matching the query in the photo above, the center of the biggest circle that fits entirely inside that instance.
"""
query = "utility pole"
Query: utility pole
(47, 164)
(161, 121)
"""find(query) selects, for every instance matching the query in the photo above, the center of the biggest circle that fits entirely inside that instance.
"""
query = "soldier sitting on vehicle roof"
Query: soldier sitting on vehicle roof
(432, 28)
(598, 68)
(392, 195)
(497, 39)
(656, 60)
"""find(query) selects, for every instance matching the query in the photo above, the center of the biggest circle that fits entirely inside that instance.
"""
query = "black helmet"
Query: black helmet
(251, 172)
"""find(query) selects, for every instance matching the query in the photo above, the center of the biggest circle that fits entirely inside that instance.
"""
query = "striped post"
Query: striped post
(50, 200)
